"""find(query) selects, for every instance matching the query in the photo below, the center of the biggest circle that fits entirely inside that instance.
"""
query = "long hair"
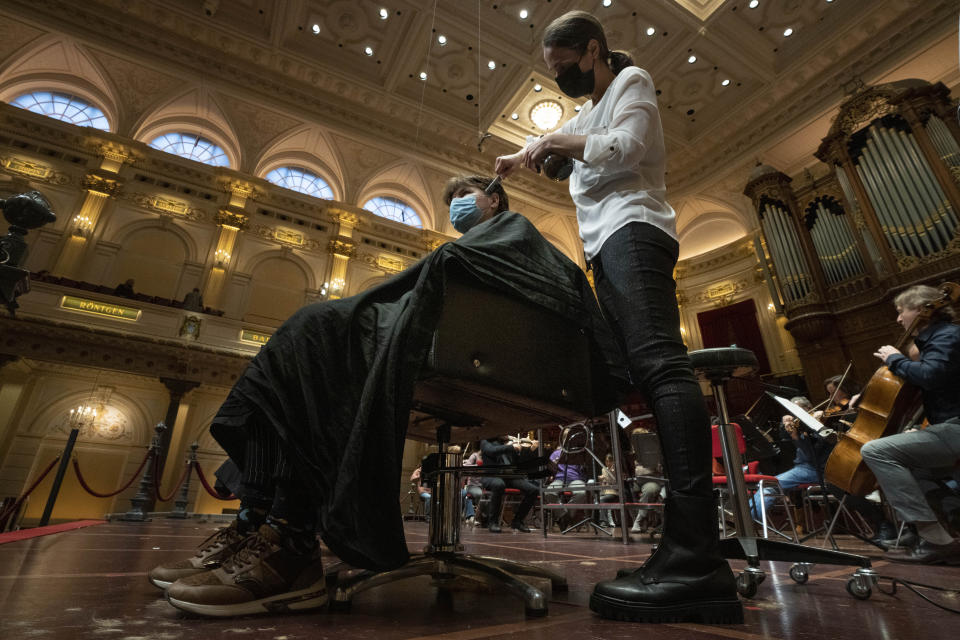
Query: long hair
(575, 30)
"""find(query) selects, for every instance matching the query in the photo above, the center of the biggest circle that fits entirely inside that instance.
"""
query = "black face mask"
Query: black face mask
(574, 82)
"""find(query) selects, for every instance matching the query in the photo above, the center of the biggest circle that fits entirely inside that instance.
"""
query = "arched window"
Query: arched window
(193, 147)
(62, 106)
(299, 179)
(394, 209)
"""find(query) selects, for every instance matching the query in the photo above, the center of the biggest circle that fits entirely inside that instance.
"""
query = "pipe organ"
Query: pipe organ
(884, 216)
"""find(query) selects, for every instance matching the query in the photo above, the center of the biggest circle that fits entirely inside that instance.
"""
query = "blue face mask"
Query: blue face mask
(464, 213)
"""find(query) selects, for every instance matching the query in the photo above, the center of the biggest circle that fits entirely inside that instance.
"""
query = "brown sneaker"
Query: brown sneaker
(224, 542)
(263, 576)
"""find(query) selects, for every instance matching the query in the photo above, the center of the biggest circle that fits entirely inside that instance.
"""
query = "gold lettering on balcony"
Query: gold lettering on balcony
(255, 337)
(97, 308)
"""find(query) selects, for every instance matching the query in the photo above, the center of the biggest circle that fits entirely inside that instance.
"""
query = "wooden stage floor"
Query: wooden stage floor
(90, 583)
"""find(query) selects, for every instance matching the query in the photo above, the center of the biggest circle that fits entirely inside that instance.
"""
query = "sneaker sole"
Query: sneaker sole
(705, 612)
(313, 597)
(160, 584)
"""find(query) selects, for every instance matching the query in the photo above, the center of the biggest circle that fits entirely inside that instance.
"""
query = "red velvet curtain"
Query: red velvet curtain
(734, 324)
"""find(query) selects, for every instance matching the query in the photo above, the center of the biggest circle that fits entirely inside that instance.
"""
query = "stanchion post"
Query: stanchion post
(180, 505)
(58, 480)
(139, 502)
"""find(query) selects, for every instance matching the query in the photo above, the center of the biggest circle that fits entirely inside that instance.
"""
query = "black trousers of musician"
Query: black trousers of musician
(633, 274)
(270, 484)
(496, 487)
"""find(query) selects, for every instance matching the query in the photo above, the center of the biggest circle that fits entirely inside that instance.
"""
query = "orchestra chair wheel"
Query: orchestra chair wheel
(857, 588)
(747, 585)
(799, 573)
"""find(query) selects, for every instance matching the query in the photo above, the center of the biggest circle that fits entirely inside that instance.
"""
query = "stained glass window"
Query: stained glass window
(299, 179)
(62, 106)
(394, 209)
(192, 146)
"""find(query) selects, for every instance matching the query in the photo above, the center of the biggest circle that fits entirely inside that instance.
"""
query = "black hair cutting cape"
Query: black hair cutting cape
(336, 379)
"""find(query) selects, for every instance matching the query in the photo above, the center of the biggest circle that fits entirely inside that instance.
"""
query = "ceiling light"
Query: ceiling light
(787, 32)
(491, 65)
(725, 82)
(368, 51)
(537, 88)
(384, 14)
(514, 116)
(651, 31)
(524, 14)
(607, 3)
(315, 28)
(423, 75)
(546, 114)
(753, 4)
(692, 59)
(442, 39)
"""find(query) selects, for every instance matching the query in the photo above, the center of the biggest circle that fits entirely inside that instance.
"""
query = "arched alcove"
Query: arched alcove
(154, 257)
(277, 289)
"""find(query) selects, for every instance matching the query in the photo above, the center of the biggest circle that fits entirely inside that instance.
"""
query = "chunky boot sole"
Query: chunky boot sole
(705, 612)
(312, 597)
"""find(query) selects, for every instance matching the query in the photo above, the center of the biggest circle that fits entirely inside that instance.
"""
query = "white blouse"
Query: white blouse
(621, 178)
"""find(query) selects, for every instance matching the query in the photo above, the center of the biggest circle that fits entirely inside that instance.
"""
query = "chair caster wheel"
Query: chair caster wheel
(747, 585)
(339, 606)
(799, 573)
(858, 589)
(535, 613)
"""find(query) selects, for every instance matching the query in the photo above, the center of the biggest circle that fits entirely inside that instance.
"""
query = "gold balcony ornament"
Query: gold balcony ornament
(288, 237)
(100, 185)
(27, 168)
(342, 246)
(232, 220)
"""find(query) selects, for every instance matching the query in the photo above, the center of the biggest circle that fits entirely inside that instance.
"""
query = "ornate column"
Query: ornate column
(341, 248)
(232, 219)
(87, 225)
(177, 389)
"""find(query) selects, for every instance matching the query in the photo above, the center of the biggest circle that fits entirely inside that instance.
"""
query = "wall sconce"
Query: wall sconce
(82, 225)
(222, 258)
(332, 288)
(82, 416)
(770, 307)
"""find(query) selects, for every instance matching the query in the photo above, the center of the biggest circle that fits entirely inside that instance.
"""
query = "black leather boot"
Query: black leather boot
(685, 580)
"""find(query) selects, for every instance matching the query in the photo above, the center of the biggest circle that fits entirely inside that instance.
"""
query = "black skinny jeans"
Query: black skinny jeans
(633, 274)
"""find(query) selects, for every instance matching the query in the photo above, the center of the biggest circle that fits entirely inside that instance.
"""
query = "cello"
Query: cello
(886, 405)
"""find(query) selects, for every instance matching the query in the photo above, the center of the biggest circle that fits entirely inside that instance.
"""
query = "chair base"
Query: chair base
(496, 572)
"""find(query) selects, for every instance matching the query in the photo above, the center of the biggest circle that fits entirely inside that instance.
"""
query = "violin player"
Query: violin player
(904, 462)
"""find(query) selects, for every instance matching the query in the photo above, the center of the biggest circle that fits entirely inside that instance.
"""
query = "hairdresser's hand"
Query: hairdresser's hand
(506, 165)
(536, 151)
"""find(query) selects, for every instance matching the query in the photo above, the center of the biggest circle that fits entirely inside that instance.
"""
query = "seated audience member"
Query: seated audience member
(193, 301)
(501, 451)
(608, 476)
(124, 289)
(316, 423)
(649, 463)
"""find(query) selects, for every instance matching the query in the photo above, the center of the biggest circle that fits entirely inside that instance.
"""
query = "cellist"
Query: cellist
(904, 460)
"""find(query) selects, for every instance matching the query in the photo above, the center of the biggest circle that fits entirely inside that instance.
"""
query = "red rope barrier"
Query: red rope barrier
(209, 489)
(12, 509)
(183, 476)
(97, 494)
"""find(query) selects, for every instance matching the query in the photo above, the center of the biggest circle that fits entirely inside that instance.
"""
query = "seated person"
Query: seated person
(811, 458)
(124, 289)
(317, 421)
(608, 477)
(649, 463)
(193, 301)
(502, 451)
(472, 490)
(423, 490)
(906, 463)
(569, 477)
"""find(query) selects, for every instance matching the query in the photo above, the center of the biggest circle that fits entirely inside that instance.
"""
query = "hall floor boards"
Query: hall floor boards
(90, 583)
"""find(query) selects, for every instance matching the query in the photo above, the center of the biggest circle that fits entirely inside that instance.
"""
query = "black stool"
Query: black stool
(717, 366)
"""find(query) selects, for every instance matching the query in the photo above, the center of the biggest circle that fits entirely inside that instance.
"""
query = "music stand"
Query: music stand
(717, 366)
(587, 447)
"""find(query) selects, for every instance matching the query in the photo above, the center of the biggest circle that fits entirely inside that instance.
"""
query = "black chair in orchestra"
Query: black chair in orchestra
(493, 368)
(717, 366)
